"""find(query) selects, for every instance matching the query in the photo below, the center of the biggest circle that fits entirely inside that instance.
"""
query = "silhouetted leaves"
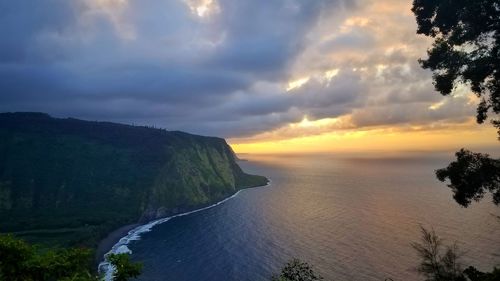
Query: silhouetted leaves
(471, 176)
(440, 262)
(475, 275)
(296, 270)
(466, 47)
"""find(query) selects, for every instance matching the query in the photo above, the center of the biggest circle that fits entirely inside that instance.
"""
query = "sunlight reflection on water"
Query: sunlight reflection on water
(353, 218)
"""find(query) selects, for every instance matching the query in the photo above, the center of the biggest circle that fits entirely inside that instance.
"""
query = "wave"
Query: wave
(121, 246)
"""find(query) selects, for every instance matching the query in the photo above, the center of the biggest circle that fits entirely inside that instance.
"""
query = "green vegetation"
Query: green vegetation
(66, 182)
(20, 261)
(124, 268)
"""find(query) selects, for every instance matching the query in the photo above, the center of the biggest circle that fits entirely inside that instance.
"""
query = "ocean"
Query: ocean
(352, 218)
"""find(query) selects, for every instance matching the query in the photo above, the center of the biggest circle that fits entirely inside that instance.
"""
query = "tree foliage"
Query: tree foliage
(124, 268)
(440, 262)
(20, 261)
(466, 48)
(475, 275)
(296, 270)
(471, 176)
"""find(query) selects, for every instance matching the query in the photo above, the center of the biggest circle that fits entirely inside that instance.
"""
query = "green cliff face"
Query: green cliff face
(67, 181)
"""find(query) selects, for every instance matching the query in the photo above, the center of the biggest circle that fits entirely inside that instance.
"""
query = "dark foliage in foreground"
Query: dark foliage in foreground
(440, 262)
(466, 49)
(296, 270)
(124, 268)
(475, 275)
(471, 176)
(20, 261)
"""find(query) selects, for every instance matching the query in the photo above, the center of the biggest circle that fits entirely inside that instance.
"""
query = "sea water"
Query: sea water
(352, 218)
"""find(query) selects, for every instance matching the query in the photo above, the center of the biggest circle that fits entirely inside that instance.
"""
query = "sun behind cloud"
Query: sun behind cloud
(285, 75)
(382, 140)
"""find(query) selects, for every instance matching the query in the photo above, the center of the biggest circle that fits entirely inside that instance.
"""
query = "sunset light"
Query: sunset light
(243, 140)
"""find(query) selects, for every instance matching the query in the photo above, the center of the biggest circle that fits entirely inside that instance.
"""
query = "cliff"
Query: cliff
(68, 181)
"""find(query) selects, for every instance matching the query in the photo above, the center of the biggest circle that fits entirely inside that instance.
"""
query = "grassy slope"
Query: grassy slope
(69, 182)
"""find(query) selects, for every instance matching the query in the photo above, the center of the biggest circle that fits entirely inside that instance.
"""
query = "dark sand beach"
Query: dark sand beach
(107, 243)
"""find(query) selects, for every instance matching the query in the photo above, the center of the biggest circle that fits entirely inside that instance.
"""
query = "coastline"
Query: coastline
(106, 244)
(117, 241)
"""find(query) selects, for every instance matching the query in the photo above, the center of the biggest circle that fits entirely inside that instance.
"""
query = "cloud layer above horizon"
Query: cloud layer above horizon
(232, 68)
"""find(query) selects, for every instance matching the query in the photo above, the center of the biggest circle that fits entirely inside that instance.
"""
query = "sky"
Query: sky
(269, 76)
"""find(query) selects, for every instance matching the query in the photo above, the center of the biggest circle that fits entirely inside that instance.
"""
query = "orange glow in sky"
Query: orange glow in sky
(377, 140)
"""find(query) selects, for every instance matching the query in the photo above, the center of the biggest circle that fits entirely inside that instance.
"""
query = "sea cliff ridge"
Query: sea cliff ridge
(67, 182)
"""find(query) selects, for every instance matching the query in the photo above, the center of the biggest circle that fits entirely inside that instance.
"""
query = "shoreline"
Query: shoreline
(117, 240)
(107, 243)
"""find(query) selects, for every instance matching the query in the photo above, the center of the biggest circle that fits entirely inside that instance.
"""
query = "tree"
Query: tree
(438, 262)
(20, 261)
(466, 49)
(14, 258)
(475, 275)
(124, 268)
(296, 270)
(471, 176)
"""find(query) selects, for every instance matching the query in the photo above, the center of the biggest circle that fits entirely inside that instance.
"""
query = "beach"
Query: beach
(109, 241)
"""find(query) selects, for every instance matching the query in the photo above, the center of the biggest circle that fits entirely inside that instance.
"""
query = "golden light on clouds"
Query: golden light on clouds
(353, 22)
(297, 83)
(202, 8)
(331, 73)
(395, 108)
(305, 123)
(281, 77)
(437, 105)
(357, 21)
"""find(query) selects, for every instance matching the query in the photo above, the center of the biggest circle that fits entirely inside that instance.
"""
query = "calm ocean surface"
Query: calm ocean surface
(352, 218)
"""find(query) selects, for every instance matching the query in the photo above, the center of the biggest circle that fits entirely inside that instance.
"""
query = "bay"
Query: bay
(352, 218)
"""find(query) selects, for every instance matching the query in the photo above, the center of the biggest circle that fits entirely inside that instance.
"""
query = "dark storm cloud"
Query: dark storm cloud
(140, 60)
(265, 37)
(217, 67)
(24, 22)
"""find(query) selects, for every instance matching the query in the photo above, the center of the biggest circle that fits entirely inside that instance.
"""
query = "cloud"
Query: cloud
(220, 67)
